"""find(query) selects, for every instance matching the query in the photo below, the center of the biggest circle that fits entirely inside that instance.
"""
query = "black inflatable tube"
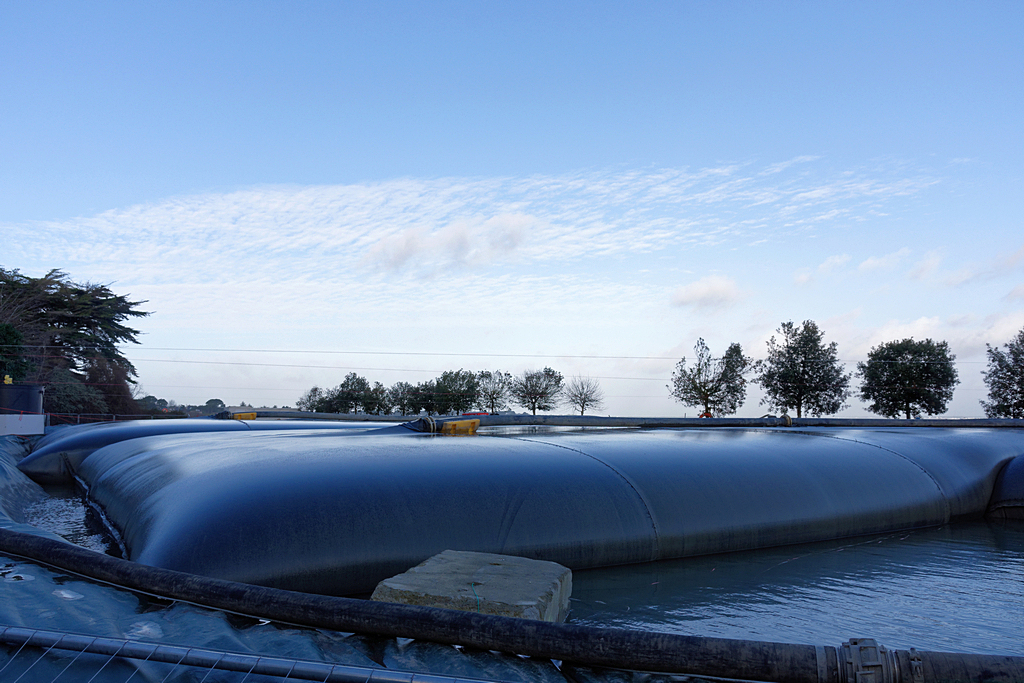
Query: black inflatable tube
(784, 421)
(1007, 500)
(641, 422)
(588, 646)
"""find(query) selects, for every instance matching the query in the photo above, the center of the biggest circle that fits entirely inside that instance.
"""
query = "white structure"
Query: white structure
(22, 425)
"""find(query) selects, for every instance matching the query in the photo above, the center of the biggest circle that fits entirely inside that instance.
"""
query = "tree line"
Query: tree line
(66, 335)
(457, 391)
(804, 374)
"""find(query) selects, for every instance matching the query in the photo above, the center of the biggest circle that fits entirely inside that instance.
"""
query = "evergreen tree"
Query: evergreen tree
(13, 363)
(803, 373)
(401, 397)
(70, 335)
(423, 398)
(376, 400)
(455, 391)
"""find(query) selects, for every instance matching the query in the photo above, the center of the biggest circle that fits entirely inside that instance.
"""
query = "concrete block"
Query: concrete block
(502, 585)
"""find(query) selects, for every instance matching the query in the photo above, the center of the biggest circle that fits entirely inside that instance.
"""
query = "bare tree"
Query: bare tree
(537, 389)
(584, 392)
(493, 390)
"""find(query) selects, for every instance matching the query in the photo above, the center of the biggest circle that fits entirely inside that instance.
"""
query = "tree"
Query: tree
(70, 331)
(908, 377)
(114, 382)
(537, 389)
(66, 394)
(1005, 379)
(802, 372)
(214, 406)
(493, 390)
(152, 403)
(423, 398)
(13, 363)
(312, 401)
(455, 391)
(716, 386)
(584, 392)
(160, 406)
(350, 395)
(353, 393)
(401, 397)
(376, 400)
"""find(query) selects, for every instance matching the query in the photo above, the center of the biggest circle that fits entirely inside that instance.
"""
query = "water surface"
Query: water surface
(954, 588)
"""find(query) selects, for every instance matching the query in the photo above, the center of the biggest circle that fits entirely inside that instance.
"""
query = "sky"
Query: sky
(302, 190)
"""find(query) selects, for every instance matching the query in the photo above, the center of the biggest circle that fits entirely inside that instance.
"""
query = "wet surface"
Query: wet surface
(67, 514)
(38, 597)
(955, 588)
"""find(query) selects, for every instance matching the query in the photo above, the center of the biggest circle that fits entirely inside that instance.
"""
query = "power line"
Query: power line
(468, 355)
(443, 354)
(336, 367)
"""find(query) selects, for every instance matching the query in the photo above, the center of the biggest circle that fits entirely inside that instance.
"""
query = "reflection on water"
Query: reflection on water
(66, 514)
(955, 588)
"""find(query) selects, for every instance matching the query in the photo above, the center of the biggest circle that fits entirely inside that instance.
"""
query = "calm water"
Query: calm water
(956, 588)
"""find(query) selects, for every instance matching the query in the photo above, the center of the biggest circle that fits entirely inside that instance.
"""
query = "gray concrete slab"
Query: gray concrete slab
(501, 585)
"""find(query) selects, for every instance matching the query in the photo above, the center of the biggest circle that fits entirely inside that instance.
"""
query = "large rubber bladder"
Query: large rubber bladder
(57, 455)
(1008, 495)
(337, 513)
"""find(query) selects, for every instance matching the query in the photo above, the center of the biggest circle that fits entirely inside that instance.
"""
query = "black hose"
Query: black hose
(588, 646)
(617, 648)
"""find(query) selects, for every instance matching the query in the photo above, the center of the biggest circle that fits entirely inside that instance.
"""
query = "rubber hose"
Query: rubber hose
(617, 648)
(582, 645)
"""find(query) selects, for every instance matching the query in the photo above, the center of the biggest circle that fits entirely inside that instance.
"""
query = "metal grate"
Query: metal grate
(29, 641)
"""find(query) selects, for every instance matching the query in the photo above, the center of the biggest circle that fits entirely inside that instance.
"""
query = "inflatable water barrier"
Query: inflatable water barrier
(278, 523)
(336, 512)
(56, 455)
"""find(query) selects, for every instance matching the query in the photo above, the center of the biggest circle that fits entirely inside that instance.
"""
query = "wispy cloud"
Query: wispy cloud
(1010, 261)
(921, 328)
(995, 268)
(833, 263)
(887, 262)
(711, 292)
(413, 227)
(925, 267)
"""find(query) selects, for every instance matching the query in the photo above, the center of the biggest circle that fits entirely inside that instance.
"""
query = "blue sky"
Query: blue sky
(308, 185)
